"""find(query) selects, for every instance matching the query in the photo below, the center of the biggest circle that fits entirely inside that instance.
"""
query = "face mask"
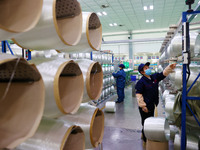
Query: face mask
(148, 72)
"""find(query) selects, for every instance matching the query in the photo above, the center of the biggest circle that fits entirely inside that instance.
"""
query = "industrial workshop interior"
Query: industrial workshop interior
(100, 75)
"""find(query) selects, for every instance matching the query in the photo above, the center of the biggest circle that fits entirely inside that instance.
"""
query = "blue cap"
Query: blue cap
(122, 66)
(142, 65)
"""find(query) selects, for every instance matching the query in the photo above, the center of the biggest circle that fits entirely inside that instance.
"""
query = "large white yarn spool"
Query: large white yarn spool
(55, 135)
(21, 100)
(176, 45)
(60, 26)
(63, 85)
(91, 37)
(192, 142)
(91, 120)
(93, 79)
(14, 20)
(110, 107)
(156, 129)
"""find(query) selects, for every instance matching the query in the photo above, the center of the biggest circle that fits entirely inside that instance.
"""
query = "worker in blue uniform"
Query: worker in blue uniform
(121, 79)
(147, 90)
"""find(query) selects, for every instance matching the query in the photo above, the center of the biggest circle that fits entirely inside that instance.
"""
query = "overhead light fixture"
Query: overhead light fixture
(152, 20)
(147, 20)
(111, 24)
(104, 13)
(145, 7)
(151, 7)
(114, 24)
(99, 13)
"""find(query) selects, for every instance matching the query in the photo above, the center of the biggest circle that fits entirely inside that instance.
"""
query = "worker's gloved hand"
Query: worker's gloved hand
(145, 109)
(172, 66)
(169, 69)
(140, 100)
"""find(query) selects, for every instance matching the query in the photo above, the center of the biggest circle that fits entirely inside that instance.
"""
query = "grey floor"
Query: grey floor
(123, 128)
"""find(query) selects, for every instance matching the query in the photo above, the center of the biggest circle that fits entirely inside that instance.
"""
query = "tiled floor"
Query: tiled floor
(123, 128)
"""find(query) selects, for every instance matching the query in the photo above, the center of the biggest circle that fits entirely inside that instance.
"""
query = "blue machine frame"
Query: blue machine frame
(185, 91)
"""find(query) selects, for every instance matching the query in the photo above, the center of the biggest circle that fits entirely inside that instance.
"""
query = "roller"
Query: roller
(104, 81)
(104, 70)
(112, 80)
(22, 98)
(93, 79)
(156, 129)
(12, 22)
(64, 84)
(99, 58)
(112, 69)
(55, 135)
(110, 107)
(60, 26)
(112, 89)
(176, 78)
(91, 120)
(169, 110)
(87, 55)
(173, 131)
(81, 55)
(176, 45)
(162, 58)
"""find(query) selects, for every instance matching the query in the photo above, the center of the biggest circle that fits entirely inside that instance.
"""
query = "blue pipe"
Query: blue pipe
(183, 114)
(193, 98)
(193, 83)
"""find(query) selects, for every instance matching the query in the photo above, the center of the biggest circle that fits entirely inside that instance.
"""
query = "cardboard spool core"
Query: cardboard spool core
(69, 20)
(95, 81)
(75, 140)
(70, 87)
(97, 128)
(19, 15)
(21, 101)
(95, 31)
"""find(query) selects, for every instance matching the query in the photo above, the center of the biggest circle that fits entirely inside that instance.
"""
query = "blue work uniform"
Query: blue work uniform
(149, 90)
(121, 79)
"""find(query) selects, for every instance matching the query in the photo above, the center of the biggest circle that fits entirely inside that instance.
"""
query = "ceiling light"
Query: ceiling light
(151, 7)
(114, 24)
(100, 14)
(111, 24)
(152, 20)
(104, 13)
(147, 20)
(145, 7)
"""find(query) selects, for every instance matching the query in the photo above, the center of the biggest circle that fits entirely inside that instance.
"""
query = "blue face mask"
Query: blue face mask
(148, 72)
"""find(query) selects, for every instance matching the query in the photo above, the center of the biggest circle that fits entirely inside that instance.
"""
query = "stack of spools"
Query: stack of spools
(173, 84)
(41, 105)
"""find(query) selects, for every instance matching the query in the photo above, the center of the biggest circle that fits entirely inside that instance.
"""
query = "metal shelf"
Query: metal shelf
(186, 62)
